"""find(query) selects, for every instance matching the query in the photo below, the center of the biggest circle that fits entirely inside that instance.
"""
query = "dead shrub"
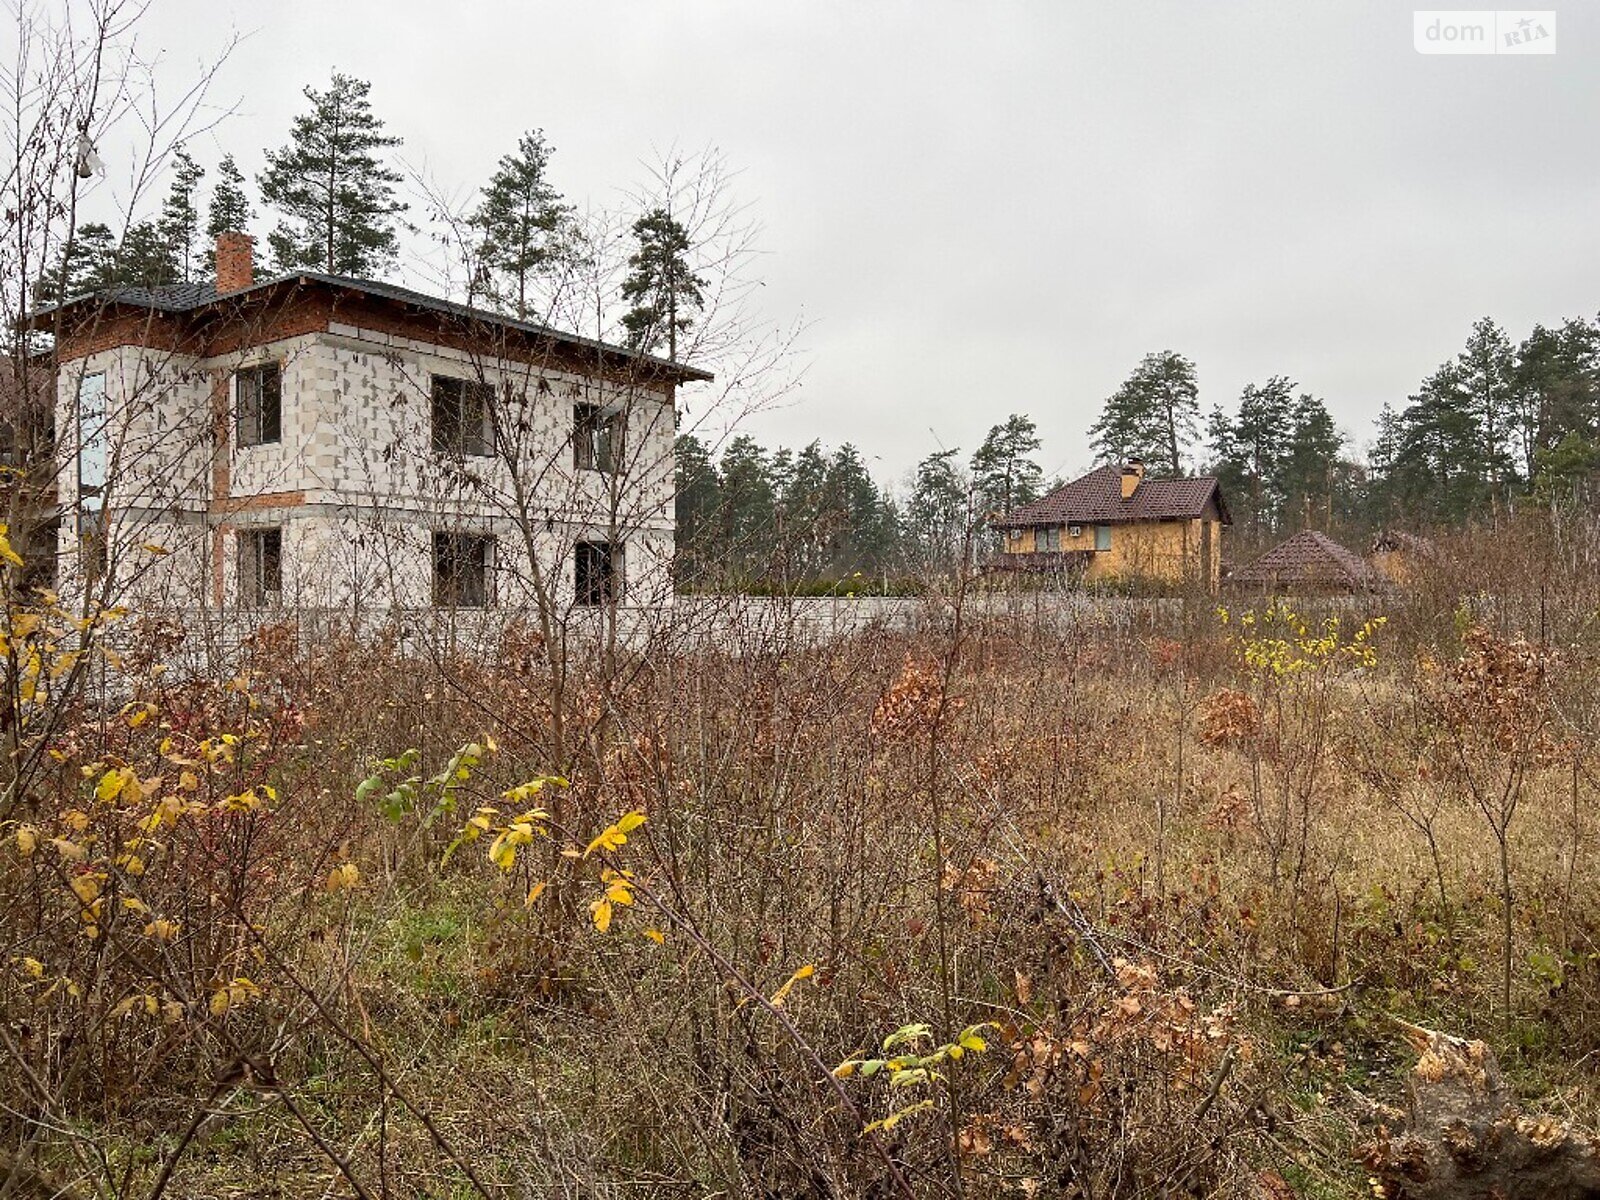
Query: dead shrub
(1229, 717)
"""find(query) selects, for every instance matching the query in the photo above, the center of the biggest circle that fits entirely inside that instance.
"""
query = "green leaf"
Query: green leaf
(906, 1033)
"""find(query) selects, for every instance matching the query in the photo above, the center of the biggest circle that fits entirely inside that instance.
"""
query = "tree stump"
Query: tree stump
(1465, 1138)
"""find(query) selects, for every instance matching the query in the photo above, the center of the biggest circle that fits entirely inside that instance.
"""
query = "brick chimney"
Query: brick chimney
(1132, 474)
(236, 266)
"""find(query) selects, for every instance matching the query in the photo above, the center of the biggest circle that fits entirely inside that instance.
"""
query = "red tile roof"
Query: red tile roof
(1096, 499)
(1308, 559)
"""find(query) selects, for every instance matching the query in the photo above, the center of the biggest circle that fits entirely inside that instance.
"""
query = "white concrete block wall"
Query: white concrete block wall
(357, 442)
(286, 465)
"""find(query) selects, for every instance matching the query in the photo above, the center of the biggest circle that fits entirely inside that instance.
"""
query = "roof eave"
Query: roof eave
(678, 372)
(674, 371)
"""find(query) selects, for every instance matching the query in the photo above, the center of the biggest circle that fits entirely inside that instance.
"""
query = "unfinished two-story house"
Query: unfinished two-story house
(320, 442)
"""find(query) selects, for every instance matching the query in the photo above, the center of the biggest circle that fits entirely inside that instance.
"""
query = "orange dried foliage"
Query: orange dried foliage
(974, 887)
(1229, 718)
(912, 704)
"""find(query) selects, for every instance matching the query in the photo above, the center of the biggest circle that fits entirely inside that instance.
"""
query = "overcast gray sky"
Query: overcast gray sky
(985, 209)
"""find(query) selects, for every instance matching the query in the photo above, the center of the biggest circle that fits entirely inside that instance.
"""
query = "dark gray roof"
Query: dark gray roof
(189, 297)
(167, 297)
(1096, 498)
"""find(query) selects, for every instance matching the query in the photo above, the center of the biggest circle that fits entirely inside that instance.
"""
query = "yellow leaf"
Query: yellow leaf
(162, 930)
(86, 887)
(236, 992)
(33, 968)
(656, 936)
(345, 877)
(245, 801)
(534, 893)
(6, 552)
(620, 892)
(601, 910)
(894, 1118)
(27, 840)
(782, 993)
(503, 851)
(614, 836)
(111, 785)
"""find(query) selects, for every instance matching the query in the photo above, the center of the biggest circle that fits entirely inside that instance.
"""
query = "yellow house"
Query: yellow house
(1116, 524)
(1398, 554)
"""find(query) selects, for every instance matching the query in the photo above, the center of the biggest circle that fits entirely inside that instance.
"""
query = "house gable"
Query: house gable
(1097, 499)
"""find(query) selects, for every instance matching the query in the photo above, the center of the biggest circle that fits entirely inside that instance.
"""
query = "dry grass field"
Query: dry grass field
(1117, 906)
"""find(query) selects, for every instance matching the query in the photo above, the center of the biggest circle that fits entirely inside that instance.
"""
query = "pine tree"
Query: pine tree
(1567, 471)
(229, 211)
(91, 265)
(861, 541)
(1557, 388)
(523, 223)
(936, 517)
(661, 286)
(1153, 416)
(1249, 451)
(1004, 473)
(1484, 379)
(1382, 499)
(332, 189)
(747, 508)
(1438, 471)
(805, 524)
(180, 218)
(145, 258)
(697, 500)
(1455, 455)
(1312, 474)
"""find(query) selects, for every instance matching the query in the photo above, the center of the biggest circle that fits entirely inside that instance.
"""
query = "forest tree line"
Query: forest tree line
(787, 517)
(1501, 425)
